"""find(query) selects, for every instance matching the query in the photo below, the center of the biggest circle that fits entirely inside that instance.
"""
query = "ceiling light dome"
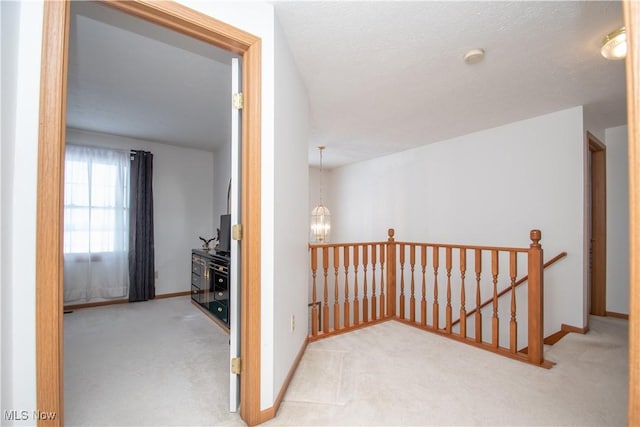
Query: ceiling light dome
(614, 45)
(474, 56)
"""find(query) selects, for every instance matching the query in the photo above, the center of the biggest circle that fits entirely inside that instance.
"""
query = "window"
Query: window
(96, 200)
(96, 224)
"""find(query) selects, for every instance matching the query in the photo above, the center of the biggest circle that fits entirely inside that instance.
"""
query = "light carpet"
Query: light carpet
(153, 363)
(394, 374)
(164, 363)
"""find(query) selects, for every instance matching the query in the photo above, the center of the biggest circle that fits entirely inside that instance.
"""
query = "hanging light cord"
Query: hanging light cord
(321, 148)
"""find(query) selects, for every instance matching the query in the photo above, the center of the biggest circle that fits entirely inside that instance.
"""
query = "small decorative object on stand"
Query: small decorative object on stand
(205, 244)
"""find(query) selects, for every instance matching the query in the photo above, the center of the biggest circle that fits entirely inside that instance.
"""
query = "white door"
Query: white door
(234, 276)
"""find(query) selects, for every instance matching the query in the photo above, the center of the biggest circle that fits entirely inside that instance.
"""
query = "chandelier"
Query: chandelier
(320, 215)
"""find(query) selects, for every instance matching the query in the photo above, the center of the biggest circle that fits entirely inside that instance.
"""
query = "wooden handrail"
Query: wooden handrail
(341, 245)
(469, 247)
(440, 245)
(508, 289)
(398, 263)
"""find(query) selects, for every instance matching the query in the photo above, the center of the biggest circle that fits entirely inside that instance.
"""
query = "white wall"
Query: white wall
(183, 202)
(21, 50)
(617, 220)
(9, 16)
(490, 188)
(291, 218)
(593, 122)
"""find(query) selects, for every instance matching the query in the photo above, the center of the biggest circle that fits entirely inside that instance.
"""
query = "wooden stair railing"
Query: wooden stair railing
(349, 290)
(516, 284)
(357, 284)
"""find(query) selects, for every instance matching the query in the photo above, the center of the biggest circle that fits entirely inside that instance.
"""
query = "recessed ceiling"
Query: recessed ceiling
(388, 76)
(132, 78)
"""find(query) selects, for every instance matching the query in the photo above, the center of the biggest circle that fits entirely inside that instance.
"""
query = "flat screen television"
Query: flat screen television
(224, 244)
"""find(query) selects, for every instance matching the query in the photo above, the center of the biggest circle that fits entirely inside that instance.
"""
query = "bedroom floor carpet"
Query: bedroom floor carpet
(164, 363)
(153, 363)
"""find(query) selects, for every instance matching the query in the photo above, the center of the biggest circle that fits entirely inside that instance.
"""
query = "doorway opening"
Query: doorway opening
(597, 226)
(49, 275)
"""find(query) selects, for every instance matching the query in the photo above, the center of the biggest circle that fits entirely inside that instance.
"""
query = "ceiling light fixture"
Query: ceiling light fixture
(320, 215)
(474, 56)
(614, 45)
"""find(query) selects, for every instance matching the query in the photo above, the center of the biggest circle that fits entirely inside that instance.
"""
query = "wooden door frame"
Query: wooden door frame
(632, 23)
(598, 224)
(49, 220)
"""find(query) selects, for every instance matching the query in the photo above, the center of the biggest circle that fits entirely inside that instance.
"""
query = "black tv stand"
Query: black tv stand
(210, 283)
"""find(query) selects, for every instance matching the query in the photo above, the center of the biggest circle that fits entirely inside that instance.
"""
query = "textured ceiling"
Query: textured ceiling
(132, 78)
(381, 76)
(388, 76)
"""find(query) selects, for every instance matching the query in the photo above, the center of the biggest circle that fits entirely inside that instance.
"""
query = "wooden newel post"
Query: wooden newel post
(391, 273)
(536, 298)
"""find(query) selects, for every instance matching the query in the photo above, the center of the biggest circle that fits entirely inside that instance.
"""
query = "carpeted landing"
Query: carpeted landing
(393, 374)
(164, 363)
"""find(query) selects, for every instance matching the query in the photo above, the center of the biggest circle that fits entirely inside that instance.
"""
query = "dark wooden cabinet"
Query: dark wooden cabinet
(210, 283)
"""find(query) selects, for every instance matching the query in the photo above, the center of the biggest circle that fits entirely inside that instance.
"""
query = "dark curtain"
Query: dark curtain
(141, 252)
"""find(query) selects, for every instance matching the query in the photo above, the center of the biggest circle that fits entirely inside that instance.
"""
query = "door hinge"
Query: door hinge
(238, 101)
(236, 366)
(236, 232)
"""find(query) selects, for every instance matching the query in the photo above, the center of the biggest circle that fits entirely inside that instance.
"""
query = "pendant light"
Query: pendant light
(320, 215)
